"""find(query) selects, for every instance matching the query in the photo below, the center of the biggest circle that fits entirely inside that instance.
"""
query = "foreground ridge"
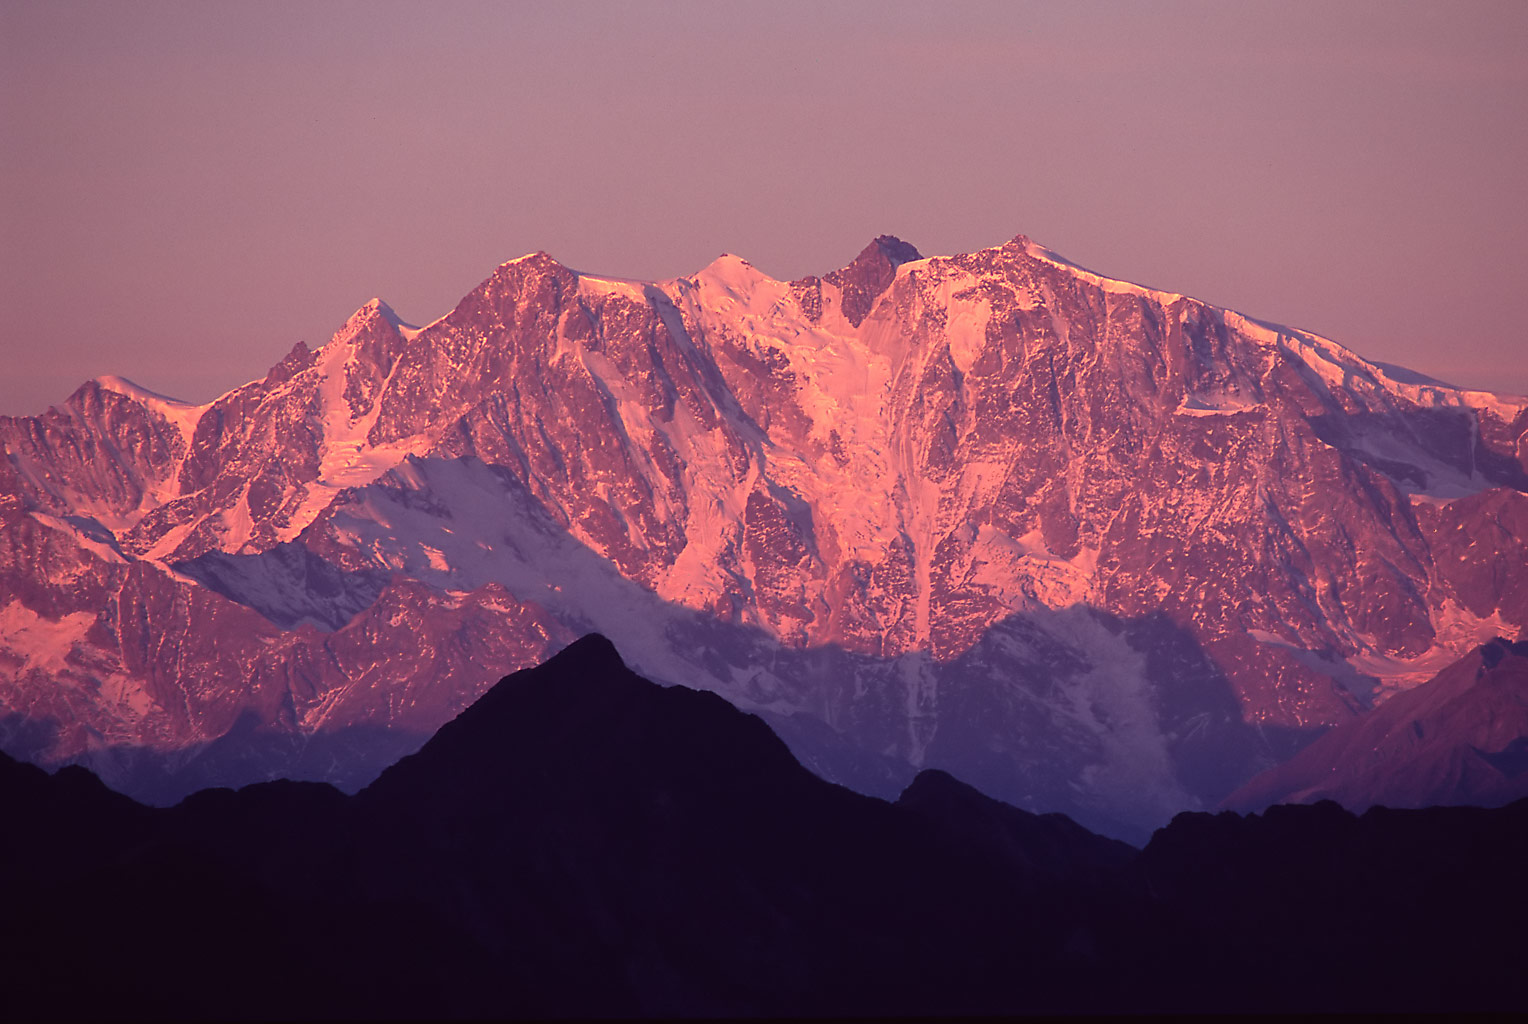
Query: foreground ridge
(581, 842)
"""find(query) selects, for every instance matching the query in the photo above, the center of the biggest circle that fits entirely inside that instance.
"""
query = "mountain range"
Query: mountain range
(1087, 546)
(583, 843)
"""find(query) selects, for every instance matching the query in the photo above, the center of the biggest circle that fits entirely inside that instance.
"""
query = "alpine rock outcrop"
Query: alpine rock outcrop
(1088, 546)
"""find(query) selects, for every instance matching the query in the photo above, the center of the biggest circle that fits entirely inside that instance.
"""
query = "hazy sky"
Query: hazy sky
(189, 188)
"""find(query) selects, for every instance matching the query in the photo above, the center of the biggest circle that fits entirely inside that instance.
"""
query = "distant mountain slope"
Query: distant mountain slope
(1092, 547)
(1461, 738)
(583, 843)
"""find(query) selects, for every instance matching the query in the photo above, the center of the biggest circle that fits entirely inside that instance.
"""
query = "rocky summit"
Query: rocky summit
(1087, 546)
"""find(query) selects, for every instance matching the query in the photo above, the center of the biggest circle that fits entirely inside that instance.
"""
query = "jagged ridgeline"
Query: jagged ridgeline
(1088, 546)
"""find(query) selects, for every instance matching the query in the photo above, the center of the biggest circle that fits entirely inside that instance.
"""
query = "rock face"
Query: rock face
(1461, 738)
(1088, 546)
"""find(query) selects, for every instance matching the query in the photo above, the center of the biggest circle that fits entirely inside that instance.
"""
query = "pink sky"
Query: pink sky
(189, 188)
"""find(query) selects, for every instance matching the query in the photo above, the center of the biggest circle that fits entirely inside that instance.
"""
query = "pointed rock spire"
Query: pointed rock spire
(293, 363)
(871, 273)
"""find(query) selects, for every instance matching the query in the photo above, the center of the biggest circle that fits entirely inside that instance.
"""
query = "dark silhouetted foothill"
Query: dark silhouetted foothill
(581, 842)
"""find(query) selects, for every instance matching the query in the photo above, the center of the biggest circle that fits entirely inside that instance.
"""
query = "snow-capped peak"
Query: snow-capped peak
(1108, 284)
(137, 392)
(183, 415)
(380, 308)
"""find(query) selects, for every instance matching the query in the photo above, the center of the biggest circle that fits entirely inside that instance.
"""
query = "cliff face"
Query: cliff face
(1093, 547)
